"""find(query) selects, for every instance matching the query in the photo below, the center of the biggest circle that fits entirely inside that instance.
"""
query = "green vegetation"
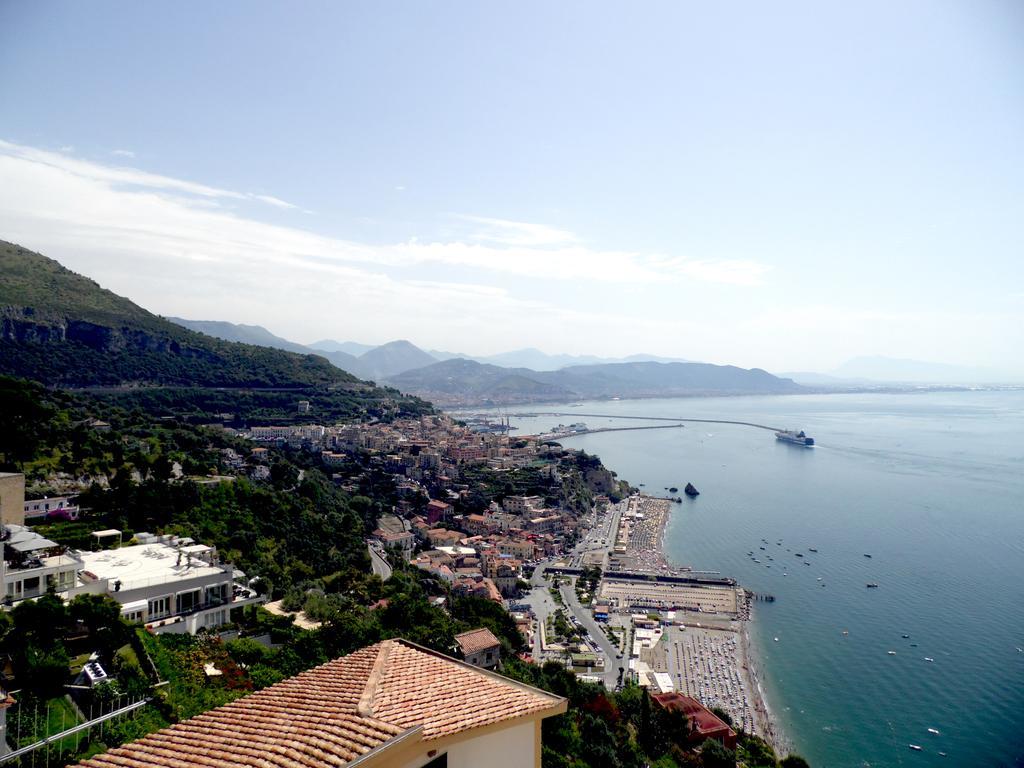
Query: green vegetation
(304, 538)
(63, 329)
(586, 583)
(47, 717)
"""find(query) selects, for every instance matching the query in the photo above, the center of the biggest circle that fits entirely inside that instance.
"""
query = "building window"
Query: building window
(159, 608)
(441, 761)
(186, 601)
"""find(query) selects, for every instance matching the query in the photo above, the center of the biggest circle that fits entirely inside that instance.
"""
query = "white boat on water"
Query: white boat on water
(914, 747)
(934, 730)
(892, 653)
(928, 658)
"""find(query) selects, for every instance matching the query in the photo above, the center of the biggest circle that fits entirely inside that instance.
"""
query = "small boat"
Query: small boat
(811, 549)
(776, 639)
(905, 636)
(690, 491)
(819, 578)
(762, 547)
(871, 585)
(928, 658)
(806, 563)
(914, 747)
(942, 754)
(892, 653)
(799, 554)
(934, 730)
(866, 555)
(846, 631)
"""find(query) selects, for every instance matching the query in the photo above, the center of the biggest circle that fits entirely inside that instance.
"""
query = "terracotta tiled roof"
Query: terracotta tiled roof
(330, 715)
(476, 640)
(702, 719)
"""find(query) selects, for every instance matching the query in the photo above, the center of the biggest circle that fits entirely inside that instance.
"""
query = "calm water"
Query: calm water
(931, 485)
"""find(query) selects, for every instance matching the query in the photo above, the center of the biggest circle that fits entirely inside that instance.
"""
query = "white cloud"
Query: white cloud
(520, 233)
(274, 201)
(170, 245)
(168, 211)
(120, 176)
(122, 153)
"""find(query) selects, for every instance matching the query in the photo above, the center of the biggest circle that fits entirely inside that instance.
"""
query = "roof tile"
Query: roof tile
(334, 713)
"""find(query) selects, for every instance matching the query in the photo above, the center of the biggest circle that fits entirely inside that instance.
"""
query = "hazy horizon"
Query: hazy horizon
(787, 188)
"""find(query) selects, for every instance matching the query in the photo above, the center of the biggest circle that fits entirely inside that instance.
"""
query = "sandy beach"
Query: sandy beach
(708, 653)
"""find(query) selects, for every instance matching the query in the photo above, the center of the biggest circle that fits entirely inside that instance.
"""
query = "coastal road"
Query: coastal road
(612, 662)
(378, 563)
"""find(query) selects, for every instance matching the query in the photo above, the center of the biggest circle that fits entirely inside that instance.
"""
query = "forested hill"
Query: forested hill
(63, 329)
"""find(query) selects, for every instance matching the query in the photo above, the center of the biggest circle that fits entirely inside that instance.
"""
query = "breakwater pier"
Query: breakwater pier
(643, 418)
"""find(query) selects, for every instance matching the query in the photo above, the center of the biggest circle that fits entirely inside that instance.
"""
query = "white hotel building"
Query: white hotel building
(166, 583)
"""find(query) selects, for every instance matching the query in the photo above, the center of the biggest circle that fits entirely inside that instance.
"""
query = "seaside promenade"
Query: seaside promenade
(698, 642)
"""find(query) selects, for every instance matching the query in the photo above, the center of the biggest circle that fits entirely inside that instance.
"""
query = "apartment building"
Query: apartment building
(168, 584)
(522, 505)
(56, 507)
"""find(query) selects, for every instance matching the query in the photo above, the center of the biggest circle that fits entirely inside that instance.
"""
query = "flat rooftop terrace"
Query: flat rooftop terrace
(144, 564)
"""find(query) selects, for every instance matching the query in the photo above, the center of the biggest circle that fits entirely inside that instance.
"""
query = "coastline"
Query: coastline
(765, 724)
(771, 730)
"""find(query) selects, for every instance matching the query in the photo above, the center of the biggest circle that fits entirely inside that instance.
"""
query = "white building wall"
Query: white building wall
(512, 747)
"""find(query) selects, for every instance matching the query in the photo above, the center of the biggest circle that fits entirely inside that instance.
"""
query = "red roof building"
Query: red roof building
(704, 724)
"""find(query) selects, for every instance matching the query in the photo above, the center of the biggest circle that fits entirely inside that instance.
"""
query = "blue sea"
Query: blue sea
(930, 484)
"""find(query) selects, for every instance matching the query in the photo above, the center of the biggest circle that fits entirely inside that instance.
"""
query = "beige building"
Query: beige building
(480, 648)
(394, 704)
(12, 498)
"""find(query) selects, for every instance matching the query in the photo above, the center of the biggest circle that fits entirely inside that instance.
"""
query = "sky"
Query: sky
(783, 185)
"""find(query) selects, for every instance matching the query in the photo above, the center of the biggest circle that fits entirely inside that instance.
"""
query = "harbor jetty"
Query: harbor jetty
(647, 418)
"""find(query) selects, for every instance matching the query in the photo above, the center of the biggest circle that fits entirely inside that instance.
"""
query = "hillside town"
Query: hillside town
(543, 532)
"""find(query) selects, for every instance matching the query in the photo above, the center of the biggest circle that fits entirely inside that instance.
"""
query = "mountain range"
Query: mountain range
(455, 379)
(467, 382)
(65, 330)
(396, 357)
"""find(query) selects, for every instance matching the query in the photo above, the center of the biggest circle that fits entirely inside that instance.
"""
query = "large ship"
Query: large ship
(797, 438)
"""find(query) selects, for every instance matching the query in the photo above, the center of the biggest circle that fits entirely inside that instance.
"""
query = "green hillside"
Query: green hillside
(63, 329)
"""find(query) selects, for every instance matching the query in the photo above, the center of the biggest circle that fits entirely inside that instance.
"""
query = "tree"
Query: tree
(713, 754)
(722, 715)
(284, 475)
(24, 421)
(794, 761)
(44, 670)
(102, 618)
(39, 622)
(95, 611)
